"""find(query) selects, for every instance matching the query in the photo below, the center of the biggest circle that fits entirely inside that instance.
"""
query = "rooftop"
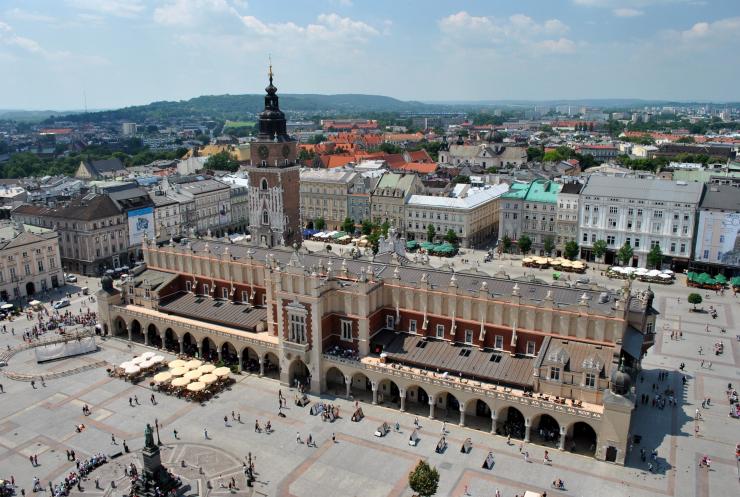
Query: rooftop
(471, 198)
(224, 312)
(646, 189)
(721, 197)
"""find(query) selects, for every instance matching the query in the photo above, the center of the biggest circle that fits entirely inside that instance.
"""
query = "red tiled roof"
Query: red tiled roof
(416, 167)
(419, 156)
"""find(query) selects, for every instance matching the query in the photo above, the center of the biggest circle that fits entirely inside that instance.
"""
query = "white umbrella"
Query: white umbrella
(653, 273)
(178, 371)
(208, 378)
(196, 386)
(207, 368)
(193, 375)
(148, 355)
(162, 377)
(137, 360)
(222, 372)
(177, 363)
(665, 276)
(157, 359)
(194, 364)
(126, 364)
(132, 369)
(147, 364)
(667, 271)
(179, 382)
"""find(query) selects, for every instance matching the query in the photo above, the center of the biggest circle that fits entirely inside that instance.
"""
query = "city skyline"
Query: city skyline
(114, 53)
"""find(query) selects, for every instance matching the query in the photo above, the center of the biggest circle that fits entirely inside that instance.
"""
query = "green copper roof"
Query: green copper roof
(536, 191)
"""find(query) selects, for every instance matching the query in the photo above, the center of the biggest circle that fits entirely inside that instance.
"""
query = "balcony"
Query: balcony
(296, 348)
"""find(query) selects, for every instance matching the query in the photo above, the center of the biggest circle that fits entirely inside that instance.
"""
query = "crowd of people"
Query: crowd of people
(75, 477)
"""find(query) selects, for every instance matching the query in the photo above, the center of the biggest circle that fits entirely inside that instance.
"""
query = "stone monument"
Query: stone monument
(155, 480)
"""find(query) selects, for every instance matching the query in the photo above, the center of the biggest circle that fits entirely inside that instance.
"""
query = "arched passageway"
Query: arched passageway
(336, 384)
(190, 345)
(447, 408)
(298, 373)
(209, 350)
(361, 388)
(271, 366)
(250, 361)
(229, 355)
(389, 393)
(581, 439)
(119, 327)
(170, 341)
(417, 400)
(152, 336)
(478, 415)
(545, 430)
(510, 422)
(137, 334)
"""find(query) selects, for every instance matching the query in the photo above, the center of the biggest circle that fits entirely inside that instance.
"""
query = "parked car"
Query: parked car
(71, 278)
(61, 303)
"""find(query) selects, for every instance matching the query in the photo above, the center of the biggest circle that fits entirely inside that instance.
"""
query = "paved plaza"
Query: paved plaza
(42, 422)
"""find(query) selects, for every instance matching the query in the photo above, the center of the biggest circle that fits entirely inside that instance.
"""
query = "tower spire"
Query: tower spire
(269, 73)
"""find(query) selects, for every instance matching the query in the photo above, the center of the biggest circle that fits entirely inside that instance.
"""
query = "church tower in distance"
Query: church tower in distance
(274, 179)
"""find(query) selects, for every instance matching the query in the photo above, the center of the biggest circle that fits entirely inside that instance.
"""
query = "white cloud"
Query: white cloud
(712, 32)
(191, 12)
(562, 45)
(23, 15)
(9, 38)
(118, 8)
(627, 12)
(484, 31)
(327, 28)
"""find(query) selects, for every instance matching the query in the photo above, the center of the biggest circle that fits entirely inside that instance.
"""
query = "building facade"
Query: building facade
(389, 197)
(93, 232)
(529, 209)
(718, 228)
(471, 212)
(566, 224)
(484, 155)
(29, 261)
(325, 195)
(641, 212)
(492, 354)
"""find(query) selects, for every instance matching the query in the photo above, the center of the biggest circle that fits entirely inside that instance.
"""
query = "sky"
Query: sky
(59, 54)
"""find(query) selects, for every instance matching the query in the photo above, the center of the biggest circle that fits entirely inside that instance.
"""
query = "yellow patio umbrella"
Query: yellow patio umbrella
(207, 368)
(179, 382)
(566, 264)
(193, 375)
(177, 363)
(162, 377)
(178, 371)
(208, 379)
(527, 260)
(196, 386)
(222, 372)
(577, 264)
(194, 364)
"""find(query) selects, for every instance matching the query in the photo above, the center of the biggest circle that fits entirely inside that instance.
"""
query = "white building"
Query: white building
(472, 213)
(641, 212)
(128, 129)
(718, 230)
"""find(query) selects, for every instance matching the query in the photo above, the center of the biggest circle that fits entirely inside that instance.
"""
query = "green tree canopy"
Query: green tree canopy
(549, 244)
(348, 226)
(431, 232)
(571, 250)
(655, 256)
(221, 161)
(625, 253)
(384, 228)
(319, 223)
(525, 243)
(506, 242)
(424, 479)
(599, 249)
(367, 227)
(451, 237)
(695, 299)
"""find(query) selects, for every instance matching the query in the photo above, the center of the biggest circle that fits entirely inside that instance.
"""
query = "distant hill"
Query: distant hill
(242, 107)
(31, 115)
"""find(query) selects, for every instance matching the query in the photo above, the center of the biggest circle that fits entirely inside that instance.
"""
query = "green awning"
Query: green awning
(735, 281)
(720, 278)
(705, 279)
(412, 244)
(691, 276)
(427, 245)
(339, 235)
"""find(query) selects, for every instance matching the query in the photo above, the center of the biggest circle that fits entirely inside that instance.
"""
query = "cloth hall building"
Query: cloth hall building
(540, 362)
